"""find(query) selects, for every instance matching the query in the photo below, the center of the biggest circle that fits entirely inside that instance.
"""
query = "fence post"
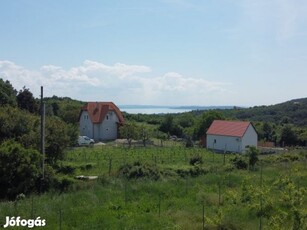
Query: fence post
(60, 219)
(126, 198)
(203, 216)
(186, 185)
(159, 205)
(110, 166)
(219, 193)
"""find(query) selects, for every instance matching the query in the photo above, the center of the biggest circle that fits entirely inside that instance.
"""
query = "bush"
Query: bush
(66, 169)
(252, 153)
(138, 171)
(20, 169)
(196, 160)
(192, 171)
(239, 162)
(189, 143)
(64, 183)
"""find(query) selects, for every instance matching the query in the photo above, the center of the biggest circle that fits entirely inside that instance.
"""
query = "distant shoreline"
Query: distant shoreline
(160, 109)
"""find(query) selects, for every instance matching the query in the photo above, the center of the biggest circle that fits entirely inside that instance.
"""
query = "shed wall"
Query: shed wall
(250, 138)
(224, 143)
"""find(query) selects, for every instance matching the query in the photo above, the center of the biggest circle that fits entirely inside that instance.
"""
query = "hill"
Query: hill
(292, 112)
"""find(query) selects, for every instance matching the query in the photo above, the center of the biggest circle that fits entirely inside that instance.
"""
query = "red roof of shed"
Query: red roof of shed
(98, 110)
(228, 128)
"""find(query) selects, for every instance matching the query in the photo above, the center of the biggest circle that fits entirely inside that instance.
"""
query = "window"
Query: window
(107, 117)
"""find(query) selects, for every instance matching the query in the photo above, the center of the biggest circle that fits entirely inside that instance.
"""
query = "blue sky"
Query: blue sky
(161, 52)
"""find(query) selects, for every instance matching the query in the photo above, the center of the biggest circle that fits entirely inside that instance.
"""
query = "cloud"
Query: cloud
(18, 75)
(122, 83)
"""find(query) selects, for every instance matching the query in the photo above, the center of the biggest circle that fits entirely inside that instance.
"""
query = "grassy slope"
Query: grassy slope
(172, 202)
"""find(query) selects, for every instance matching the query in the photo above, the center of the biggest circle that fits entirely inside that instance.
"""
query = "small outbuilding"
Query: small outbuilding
(100, 120)
(231, 136)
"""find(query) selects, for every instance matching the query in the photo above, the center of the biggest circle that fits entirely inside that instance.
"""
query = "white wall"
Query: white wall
(250, 138)
(222, 143)
(85, 124)
(108, 128)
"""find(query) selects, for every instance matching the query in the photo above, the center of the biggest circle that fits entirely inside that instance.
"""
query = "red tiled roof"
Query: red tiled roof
(228, 128)
(98, 110)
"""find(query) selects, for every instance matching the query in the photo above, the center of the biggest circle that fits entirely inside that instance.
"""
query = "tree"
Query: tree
(303, 138)
(69, 112)
(19, 169)
(18, 125)
(161, 136)
(26, 101)
(186, 120)
(167, 124)
(267, 131)
(288, 136)
(7, 93)
(203, 124)
(144, 135)
(129, 131)
(252, 153)
(55, 108)
(57, 139)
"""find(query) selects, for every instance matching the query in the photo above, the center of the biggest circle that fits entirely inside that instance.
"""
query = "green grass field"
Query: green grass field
(158, 188)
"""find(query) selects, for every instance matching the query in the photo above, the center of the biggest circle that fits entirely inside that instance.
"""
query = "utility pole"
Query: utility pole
(42, 109)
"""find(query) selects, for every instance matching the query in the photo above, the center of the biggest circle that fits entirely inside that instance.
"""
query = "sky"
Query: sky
(157, 52)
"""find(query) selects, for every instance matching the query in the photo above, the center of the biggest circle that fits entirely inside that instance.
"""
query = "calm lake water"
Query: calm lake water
(153, 110)
(148, 109)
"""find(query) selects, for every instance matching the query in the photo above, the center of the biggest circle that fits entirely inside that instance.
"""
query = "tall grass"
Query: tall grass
(230, 197)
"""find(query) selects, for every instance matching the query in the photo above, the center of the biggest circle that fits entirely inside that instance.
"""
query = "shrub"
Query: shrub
(196, 160)
(64, 183)
(86, 167)
(252, 153)
(189, 143)
(66, 169)
(138, 171)
(192, 171)
(19, 169)
(239, 162)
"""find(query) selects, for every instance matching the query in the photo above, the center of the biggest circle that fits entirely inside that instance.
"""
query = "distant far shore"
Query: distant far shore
(160, 109)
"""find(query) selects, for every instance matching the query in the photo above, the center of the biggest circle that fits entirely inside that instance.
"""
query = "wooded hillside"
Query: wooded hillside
(290, 112)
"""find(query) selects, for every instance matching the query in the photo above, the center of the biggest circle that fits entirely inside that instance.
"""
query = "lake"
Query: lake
(155, 109)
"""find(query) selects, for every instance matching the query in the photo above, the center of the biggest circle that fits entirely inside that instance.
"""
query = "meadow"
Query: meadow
(171, 187)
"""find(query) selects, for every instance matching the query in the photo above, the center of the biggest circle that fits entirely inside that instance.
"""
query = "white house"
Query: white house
(100, 120)
(231, 136)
